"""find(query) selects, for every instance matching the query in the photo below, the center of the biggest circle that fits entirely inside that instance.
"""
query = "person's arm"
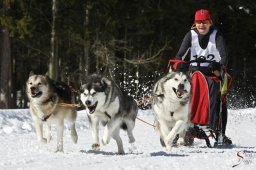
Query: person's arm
(221, 46)
(185, 45)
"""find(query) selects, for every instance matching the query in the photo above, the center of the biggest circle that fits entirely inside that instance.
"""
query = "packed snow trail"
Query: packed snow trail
(21, 150)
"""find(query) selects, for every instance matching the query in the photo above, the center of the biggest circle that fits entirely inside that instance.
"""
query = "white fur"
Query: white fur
(167, 125)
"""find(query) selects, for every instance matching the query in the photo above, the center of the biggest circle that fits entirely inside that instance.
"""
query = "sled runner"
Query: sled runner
(208, 95)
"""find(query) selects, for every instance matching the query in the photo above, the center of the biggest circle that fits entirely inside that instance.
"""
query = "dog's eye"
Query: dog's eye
(185, 80)
(176, 79)
(30, 83)
(85, 94)
(93, 93)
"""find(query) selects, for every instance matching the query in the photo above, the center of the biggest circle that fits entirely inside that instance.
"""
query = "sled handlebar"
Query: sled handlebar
(201, 61)
(198, 60)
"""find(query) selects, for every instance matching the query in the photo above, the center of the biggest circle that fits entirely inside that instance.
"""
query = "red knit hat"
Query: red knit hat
(202, 14)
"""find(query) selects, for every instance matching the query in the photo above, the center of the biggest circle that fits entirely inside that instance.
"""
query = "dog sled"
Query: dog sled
(206, 103)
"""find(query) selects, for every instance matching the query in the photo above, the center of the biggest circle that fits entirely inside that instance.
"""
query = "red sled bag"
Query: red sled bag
(205, 102)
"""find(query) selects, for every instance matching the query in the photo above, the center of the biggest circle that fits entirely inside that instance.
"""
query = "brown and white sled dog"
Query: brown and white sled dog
(45, 96)
(171, 98)
(106, 104)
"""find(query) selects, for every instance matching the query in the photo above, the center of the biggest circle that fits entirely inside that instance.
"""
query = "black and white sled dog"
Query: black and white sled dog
(106, 104)
(45, 96)
(171, 105)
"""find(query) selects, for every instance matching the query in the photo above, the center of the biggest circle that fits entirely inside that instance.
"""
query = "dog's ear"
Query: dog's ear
(105, 81)
(81, 84)
(170, 69)
(47, 77)
(31, 73)
(47, 74)
(82, 87)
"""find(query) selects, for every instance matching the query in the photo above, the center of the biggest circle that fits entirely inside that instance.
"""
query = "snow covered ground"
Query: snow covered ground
(21, 150)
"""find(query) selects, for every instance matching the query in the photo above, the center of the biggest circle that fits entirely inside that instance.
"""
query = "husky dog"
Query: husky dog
(171, 98)
(106, 104)
(45, 97)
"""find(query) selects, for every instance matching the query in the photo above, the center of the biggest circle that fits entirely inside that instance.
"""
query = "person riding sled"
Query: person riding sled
(207, 46)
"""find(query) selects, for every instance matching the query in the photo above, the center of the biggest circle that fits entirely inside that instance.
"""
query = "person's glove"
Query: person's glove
(214, 66)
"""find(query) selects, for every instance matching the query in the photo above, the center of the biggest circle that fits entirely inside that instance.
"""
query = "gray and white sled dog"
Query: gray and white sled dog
(45, 96)
(106, 104)
(171, 105)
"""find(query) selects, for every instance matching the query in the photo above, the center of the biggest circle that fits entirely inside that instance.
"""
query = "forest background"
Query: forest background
(128, 41)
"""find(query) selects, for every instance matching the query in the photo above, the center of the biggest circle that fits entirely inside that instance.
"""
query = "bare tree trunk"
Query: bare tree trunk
(6, 72)
(53, 64)
(125, 56)
(111, 59)
(85, 59)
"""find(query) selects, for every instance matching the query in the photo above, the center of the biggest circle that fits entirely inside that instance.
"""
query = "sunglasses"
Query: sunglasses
(202, 21)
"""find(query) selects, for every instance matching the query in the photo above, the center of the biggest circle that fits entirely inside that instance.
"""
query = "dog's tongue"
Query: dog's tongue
(180, 92)
(92, 107)
(34, 93)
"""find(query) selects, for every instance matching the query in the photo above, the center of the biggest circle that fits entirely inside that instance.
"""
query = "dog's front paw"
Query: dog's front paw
(49, 138)
(74, 138)
(131, 139)
(43, 141)
(59, 150)
(168, 147)
(59, 147)
(74, 135)
(105, 141)
(167, 142)
(95, 146)
(180, 141)
(121, 152)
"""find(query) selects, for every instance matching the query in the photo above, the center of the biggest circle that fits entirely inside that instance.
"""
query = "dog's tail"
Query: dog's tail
(63, 90)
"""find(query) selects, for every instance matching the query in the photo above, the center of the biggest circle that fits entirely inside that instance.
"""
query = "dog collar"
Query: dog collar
(47, 117)
(107, 115)
(160, 95)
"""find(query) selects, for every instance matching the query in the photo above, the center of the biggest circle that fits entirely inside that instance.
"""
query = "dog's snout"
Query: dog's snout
(88, 102)
(32, 88)
(181, 86)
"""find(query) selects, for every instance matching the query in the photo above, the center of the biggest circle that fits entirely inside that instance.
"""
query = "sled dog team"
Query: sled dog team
(107, 105)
